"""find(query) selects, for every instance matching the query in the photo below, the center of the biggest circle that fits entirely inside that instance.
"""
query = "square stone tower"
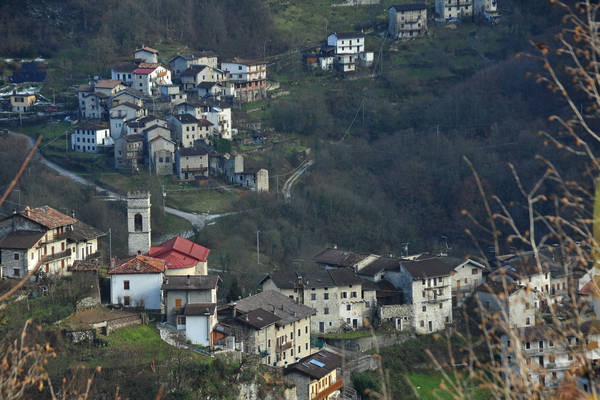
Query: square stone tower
(138, 222)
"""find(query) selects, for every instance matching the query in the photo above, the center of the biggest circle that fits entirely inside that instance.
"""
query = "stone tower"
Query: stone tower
(138, 222)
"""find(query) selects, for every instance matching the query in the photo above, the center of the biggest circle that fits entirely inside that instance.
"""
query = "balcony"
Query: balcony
(283, 347)
(337, 385)
(57, 256)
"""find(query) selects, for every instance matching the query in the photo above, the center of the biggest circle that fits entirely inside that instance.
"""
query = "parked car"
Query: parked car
(51, 109)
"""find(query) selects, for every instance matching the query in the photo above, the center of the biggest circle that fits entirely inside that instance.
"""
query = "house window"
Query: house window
(474, 271)
(178, 302)
(292, 336)
(326, 310)
(306, 329)
(344, 295)
(126, 300)
(16, 256)
(180, 320)
(424, 308)
(528, 321)
(326, 296)
(541, 344)
(422, 323)
(125, 285)
(348, 307)
(440, 306)
(313, 296)
(299, 334)
(353, 294)
(527, 345)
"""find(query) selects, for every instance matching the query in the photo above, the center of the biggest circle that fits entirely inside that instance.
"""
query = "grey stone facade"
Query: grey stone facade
(138, 222)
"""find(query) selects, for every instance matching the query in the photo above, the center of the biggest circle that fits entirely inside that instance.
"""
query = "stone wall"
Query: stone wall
(400, 315)
(122, 323)
(370, 342)
(81, 336)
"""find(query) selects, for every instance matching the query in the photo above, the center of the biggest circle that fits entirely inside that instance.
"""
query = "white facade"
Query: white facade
(135, 290)
(198, 328)
(146, 80)
(221, 120)
(88, 139)
(123, 76)
(146, 54)
(347, 43)
(244, 72)
(449, 9)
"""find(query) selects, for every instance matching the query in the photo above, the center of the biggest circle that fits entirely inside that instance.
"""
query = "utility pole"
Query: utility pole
(164, 195)
(110, 244)
(257, 247)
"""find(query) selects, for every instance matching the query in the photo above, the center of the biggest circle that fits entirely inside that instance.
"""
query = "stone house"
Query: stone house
(121, 114)
(338, 296)
(173, 93)
(193, 108)
(450, 9)
(466, 277)
(21, 102)
(129, 152)
(136, 282)
(181, 62)
(146, 123)
(274, 326)
(191, 163)
(317, 376)
(92, 105)
(44, 236)
(146, 54)
(186, 131)
(190, 304)
(129, 95)
(182, 256)
(232, 165)
(161, 155)
(253, 179)
(426, 284)
(486, 8)
(197, 74)
(515, 305)
(407, 21)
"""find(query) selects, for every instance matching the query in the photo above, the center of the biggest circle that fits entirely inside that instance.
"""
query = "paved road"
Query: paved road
(289, 184)
(197, 220)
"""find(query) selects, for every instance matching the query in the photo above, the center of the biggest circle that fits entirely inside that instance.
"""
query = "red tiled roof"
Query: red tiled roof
(140, 265)
(180, 253)
(592, 288)
(48, 217)
(143, 71)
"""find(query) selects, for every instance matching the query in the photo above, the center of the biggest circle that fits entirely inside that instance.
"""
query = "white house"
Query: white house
(122, 113)
(137, 282)
(190, 304)
(146, 54)
(148, 76)
(249, 77)
(91, 137)
(347, 43)
(221, 120)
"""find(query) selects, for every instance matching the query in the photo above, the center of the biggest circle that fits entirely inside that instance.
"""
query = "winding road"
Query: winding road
(198, 221)
(289, 184)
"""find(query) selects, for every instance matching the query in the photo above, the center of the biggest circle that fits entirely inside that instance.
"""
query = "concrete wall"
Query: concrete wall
(198, 328)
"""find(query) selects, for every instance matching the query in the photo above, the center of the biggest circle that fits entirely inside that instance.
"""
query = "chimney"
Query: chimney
(139, 252)
(73, 213)
(112, 263)
(187, 282)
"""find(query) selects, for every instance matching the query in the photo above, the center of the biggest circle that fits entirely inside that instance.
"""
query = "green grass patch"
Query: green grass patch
(428, 386)
(201, 201)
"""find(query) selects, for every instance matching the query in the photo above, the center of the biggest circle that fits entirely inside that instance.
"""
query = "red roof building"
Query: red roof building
(139, 265)
(182, 257)
(143, 71)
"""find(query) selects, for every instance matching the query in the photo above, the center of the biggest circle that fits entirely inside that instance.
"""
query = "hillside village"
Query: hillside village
(317, 326)
(280, 324)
